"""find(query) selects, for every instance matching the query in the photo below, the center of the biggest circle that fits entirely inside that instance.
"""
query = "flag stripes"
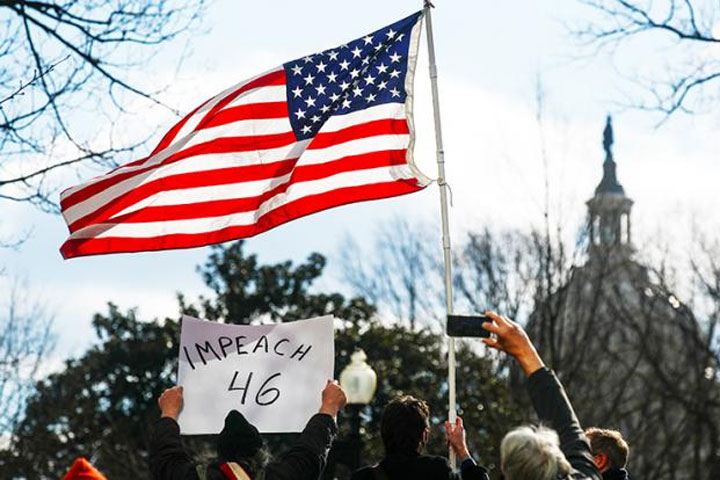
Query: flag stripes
(235, 167)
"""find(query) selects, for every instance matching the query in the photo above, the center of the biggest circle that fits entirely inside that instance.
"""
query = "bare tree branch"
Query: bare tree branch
(689, 27)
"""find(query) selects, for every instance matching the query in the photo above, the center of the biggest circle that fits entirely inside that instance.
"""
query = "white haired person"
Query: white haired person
(540, 453)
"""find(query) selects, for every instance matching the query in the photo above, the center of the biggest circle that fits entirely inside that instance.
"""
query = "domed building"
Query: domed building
(631, 355)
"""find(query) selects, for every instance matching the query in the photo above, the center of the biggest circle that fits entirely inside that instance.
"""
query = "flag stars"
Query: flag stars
(360, 74)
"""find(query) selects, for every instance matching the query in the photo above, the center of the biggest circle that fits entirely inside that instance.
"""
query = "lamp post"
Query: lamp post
(359, 381)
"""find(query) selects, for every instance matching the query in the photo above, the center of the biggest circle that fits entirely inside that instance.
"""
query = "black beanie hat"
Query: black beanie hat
(238, 439)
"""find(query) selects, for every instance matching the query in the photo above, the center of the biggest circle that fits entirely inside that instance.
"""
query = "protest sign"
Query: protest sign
(273, 374)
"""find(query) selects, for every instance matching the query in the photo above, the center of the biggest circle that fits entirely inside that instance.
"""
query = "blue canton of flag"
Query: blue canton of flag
(362, 73)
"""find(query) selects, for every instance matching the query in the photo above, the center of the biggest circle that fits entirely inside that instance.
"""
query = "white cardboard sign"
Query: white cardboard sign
(273, 374)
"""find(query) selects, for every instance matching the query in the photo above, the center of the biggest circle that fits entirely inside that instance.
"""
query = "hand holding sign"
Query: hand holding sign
(333, 398)
(171, 402)
(270, 373)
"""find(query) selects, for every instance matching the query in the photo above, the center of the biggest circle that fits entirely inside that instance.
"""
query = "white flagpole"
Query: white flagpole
(444, 215)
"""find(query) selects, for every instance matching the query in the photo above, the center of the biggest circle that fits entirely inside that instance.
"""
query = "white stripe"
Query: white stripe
(187, 129)
(203, 225)
(355, 147)
(271, 93)
(241, 128)
(378, 112)
(309, 157)
(409, 88)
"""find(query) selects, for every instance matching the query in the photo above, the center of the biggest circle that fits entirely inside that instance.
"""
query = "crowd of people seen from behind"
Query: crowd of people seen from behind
(557, 449)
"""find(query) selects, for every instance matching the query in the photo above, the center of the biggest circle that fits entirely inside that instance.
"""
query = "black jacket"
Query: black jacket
(428, 467)
(304, 461)
(554, 409)
(616, 474)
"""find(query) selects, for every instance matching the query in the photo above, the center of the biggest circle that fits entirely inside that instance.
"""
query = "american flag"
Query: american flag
(321, 131)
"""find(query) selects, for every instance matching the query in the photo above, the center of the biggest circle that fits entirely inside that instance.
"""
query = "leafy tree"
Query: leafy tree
(103, 403)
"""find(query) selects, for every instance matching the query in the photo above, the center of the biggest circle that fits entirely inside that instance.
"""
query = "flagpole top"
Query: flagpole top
(428, 4)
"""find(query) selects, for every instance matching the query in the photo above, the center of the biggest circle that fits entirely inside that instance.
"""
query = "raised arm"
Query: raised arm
(546, 392)
(168, 458)
(306, 459)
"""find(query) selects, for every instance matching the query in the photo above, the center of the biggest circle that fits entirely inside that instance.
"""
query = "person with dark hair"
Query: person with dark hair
(241, 454)
(405, 428)
(610, 452)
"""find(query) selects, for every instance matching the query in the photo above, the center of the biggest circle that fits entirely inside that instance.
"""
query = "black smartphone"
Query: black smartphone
(467, 325)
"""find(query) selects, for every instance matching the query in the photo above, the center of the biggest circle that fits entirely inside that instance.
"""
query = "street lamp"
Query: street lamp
(359, 381)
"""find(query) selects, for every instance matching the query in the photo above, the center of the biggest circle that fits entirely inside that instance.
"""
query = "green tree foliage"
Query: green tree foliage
(102, 404)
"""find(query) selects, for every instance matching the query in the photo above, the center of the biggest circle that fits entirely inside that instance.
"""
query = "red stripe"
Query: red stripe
(251, 111)
(386, 126)
(297, 209)
(227, 471)
(271, 79)
(219, 145)
(215, 208)
(222, 145)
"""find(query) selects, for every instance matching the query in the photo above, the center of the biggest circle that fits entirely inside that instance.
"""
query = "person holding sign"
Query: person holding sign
(240, 450)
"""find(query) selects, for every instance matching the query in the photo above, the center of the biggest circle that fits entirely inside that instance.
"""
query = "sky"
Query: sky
(491, 58)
